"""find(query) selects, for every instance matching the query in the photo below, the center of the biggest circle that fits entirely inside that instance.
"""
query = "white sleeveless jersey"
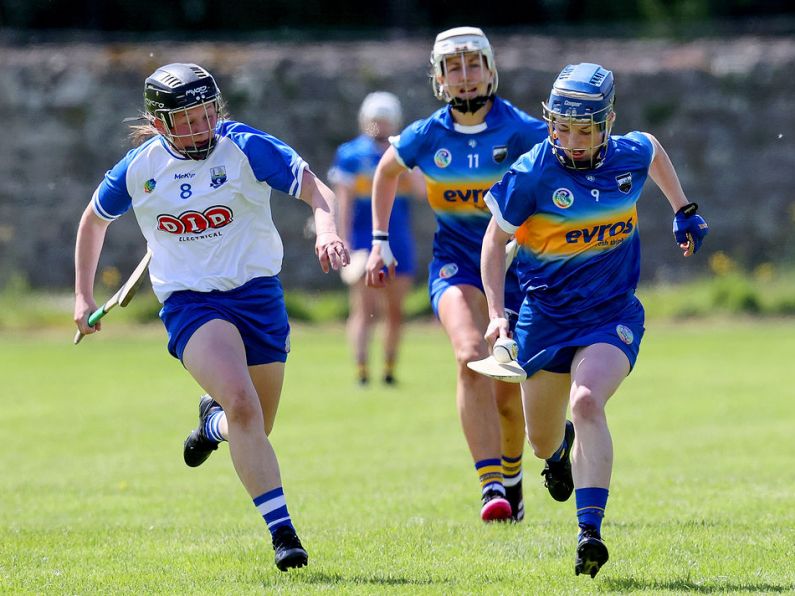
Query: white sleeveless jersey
(208, 223)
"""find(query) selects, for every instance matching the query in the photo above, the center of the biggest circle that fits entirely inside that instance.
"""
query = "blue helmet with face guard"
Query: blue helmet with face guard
(582, 95)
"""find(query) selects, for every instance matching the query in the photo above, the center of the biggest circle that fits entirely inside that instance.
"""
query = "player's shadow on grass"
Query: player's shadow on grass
(340, 579)
(636, 585)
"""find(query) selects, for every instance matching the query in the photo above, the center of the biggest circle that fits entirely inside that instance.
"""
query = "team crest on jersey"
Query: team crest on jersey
(442, 158)
(563, 198)
(625, 334)
(624, 182)
(472, 143)
(149, 185)
(498, 154)
(217, 176)
(448, 271)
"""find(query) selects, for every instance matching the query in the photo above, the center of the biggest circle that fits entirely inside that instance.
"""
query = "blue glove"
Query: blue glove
(689, 227)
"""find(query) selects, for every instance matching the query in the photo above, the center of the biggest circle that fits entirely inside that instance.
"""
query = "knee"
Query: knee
(543, 446)
(585, 405)
(467, 351)
(242, 408)
(509, 400)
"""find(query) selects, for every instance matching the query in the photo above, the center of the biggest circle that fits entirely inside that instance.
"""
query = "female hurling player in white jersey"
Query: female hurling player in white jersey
(200, 188)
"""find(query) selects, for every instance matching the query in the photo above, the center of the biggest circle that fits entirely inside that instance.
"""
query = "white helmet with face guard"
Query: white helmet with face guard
(458, 42)
(377, 108)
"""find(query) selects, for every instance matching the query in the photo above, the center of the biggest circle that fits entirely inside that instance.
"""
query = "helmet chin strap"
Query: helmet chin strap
(469, 106)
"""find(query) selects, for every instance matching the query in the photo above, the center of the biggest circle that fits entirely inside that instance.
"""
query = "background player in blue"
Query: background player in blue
(571, 203)
(462, 149)
(200, 189)
(352, 172)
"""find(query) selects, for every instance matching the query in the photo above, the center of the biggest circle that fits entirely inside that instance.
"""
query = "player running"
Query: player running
(352, 172)
(462, 149)
(571, 203)
(200, 187)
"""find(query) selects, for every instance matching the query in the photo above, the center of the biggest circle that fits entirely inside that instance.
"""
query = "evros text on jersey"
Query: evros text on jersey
(470, 194)
(598, 233)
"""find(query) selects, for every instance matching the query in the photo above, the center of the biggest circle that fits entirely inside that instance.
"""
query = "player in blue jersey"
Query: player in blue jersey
(200, 188)
(571, 203)
(462, 149)
(352, 172)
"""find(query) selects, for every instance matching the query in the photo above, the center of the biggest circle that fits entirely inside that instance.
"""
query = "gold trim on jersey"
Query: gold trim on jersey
(549, 236)
(463, 197)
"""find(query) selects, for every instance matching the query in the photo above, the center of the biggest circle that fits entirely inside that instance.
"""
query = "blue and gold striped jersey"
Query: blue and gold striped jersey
(460, 163)
(354, 166)
(577, 229)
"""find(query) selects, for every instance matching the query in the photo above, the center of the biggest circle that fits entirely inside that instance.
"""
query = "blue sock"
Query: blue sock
(591, 503)
(212, 428)
(273, 509)
(490, 474)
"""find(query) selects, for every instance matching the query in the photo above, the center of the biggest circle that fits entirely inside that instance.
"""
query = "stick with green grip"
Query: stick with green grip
(123, 296)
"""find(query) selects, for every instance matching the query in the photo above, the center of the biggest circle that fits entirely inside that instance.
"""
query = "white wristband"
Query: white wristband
(386, 252)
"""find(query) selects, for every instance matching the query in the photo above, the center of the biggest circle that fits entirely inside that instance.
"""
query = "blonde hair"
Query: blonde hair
(142, 127)
(141, 132)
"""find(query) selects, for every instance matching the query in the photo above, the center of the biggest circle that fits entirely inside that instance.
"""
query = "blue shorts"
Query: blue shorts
(256, 308)
(400, 239)
(550, 344)
(445, 272)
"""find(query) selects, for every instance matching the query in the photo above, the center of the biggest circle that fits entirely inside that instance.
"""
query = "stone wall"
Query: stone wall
(724, 110)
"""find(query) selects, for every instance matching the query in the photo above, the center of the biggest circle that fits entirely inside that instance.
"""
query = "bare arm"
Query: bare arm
(90, 238)
(419, 189)
(664, 175)
(492, 271)
(384, 190)
(329, 248)
(344, 193)
(385, 185)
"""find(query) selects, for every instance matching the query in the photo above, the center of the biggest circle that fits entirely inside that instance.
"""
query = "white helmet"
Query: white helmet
(380, 105)
(459, 41)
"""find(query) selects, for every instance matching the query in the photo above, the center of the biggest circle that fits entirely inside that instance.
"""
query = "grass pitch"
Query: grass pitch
(95, 497)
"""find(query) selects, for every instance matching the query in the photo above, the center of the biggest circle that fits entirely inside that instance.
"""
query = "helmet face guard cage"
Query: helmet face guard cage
(186, 144)
(600, 124)
(175, 90)
(459, 43)
(583, 96)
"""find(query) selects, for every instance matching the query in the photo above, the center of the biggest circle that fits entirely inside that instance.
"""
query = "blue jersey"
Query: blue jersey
(579, 255)
(460, 163)
(354, 166)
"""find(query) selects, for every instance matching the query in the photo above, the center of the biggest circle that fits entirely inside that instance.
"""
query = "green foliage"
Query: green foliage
(763, 293)
(659, 113)
(325, 307)
(735, 294)
(96, 499)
